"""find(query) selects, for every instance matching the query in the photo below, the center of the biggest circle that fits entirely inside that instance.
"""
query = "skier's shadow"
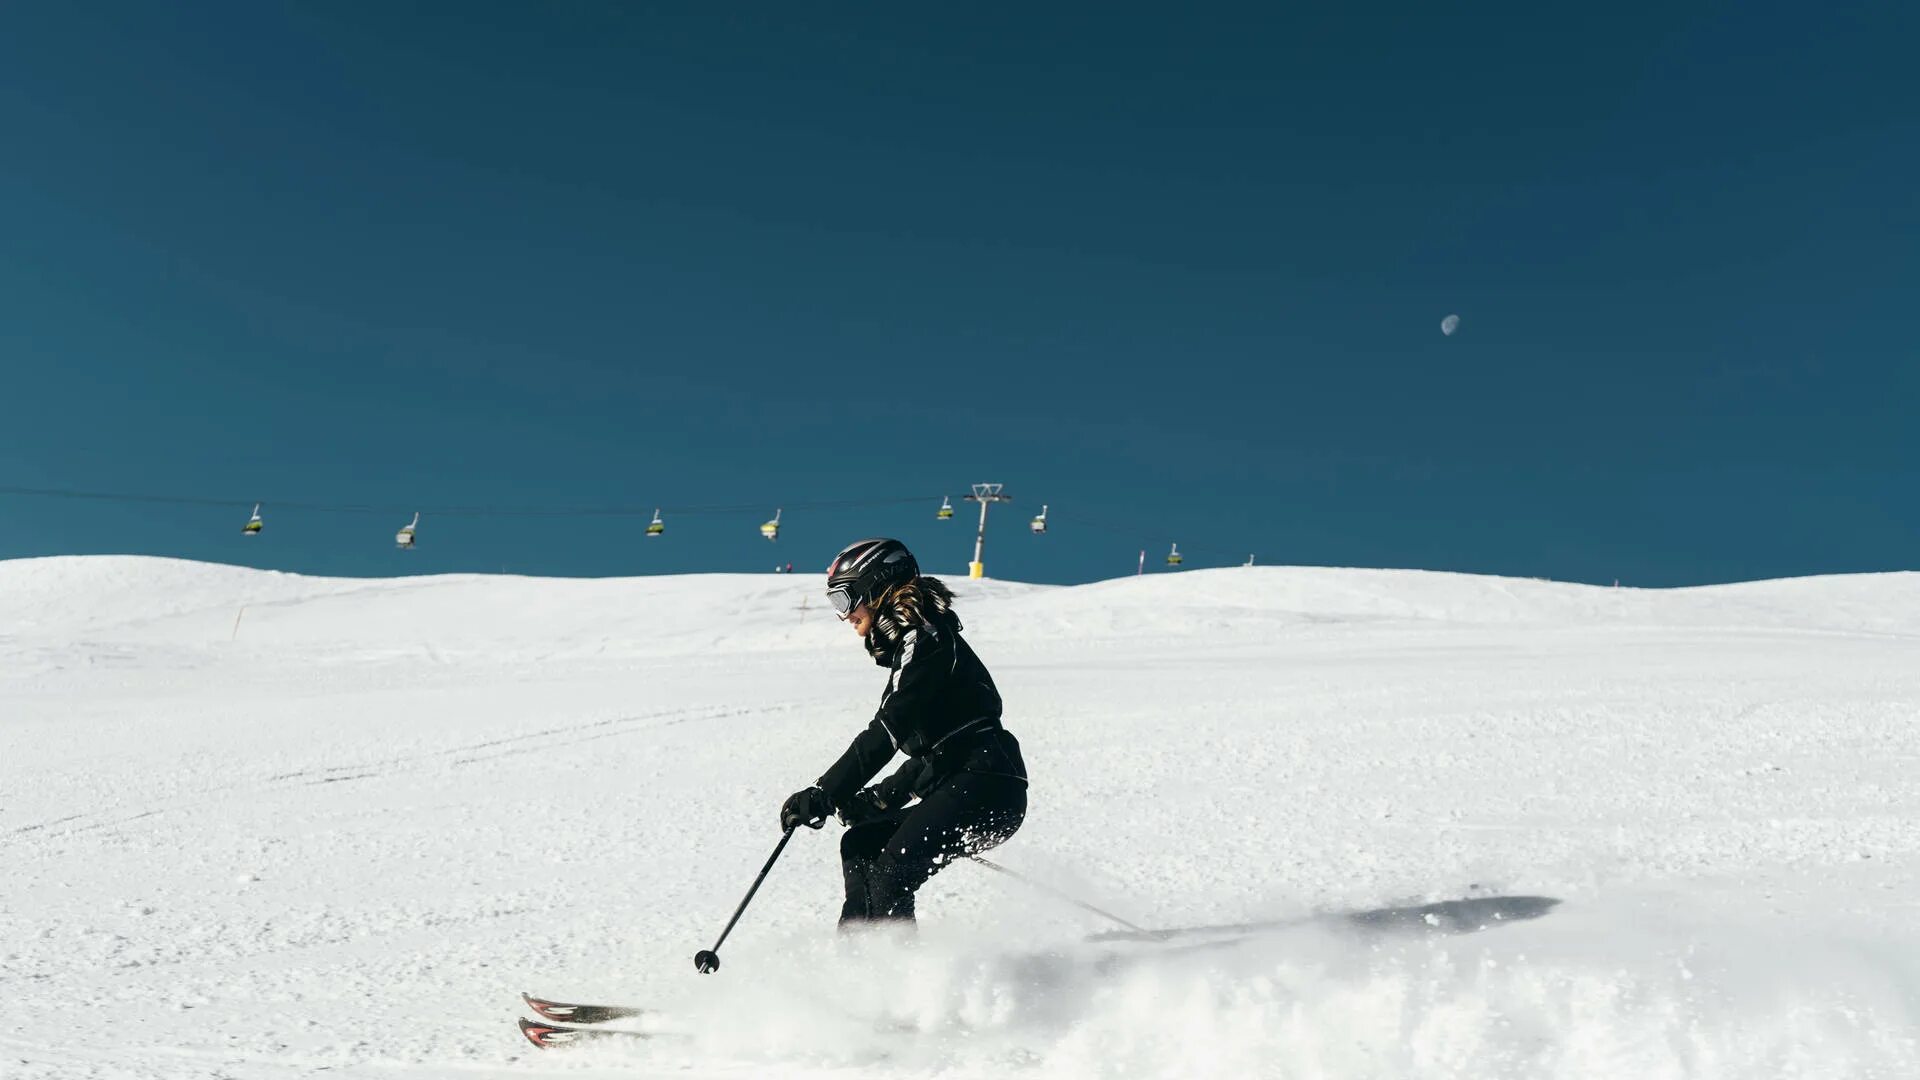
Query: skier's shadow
(1464, 916)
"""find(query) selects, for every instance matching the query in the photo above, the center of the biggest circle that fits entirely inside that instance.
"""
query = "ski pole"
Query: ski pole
(707, 961)
(1082, 904)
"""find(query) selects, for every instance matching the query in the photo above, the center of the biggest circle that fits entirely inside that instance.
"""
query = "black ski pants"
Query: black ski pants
(885, 858)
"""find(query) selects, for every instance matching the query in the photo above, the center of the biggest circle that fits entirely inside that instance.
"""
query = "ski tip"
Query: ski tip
(554, 1036)
(539, 1034)
(561, 1012)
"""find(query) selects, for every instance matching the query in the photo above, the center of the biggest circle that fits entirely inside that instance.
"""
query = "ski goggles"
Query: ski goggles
(841, 597)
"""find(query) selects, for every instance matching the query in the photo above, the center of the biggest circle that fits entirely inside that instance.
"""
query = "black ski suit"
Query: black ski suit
(941, 709)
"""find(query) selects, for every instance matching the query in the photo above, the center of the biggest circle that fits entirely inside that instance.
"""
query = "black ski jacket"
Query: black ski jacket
(940, 708)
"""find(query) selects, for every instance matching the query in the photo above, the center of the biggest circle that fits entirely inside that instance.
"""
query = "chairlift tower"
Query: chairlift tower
(985, 495)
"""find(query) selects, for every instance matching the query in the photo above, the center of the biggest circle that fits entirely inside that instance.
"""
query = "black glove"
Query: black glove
(809, 808)
(898, 790)
(865, 806)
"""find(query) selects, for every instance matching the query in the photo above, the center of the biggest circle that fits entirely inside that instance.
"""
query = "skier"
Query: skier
(963, 787)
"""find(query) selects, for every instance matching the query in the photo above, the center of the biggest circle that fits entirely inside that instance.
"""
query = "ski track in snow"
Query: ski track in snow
(341, 840)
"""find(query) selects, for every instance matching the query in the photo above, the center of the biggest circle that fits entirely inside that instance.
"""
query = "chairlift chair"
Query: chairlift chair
(771, 530)
(1039, 524)
(404, 538)
(656, 527)
(946, 509)
(1173, 557)
(253, 526)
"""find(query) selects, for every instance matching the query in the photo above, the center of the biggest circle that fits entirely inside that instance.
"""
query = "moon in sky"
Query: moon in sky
(1449, 324)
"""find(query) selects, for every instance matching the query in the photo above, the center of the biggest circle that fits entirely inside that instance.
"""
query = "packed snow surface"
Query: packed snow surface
(263, 825)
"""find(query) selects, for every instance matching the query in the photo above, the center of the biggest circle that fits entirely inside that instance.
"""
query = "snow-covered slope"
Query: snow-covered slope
(262, 825)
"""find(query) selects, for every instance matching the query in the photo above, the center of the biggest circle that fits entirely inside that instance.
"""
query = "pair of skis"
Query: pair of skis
(559, 1022)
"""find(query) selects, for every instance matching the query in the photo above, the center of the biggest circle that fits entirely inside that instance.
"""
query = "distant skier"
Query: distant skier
(963, 788)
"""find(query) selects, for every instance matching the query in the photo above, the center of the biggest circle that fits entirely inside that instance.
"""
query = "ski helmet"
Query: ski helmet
(866, 569)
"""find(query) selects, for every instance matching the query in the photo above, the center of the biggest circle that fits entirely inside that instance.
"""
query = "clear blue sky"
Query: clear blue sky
(1176, 271)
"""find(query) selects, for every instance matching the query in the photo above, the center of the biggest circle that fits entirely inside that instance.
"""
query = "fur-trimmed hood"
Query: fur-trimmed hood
(924, 601)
